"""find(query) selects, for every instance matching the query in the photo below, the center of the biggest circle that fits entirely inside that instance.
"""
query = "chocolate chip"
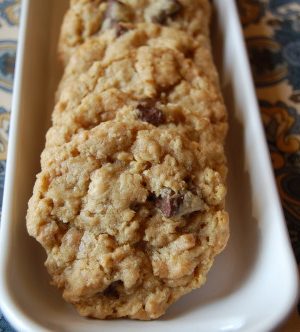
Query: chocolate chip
(148, 112)
(191, 186)
(116, 12)
(111, 291)
(151, 198)
(120, 29)
(134, 206)
(170, 9)
(169, 204)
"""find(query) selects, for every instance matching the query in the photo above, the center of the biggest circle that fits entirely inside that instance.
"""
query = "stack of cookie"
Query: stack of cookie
(129, 204)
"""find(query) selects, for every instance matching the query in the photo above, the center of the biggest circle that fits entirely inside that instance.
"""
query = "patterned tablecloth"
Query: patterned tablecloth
(272, 34)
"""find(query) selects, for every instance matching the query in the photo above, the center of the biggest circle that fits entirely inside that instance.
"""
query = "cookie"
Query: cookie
(129, 203)
(131, 216)
(109, 47)
(149, 75)
(87, 18)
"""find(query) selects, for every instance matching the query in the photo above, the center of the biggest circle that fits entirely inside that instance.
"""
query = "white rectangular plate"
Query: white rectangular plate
(253, 283)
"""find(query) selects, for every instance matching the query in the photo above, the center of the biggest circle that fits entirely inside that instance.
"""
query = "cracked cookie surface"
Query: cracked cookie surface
(131, 217)
(129, 203)
(86, 18)
(150, 74)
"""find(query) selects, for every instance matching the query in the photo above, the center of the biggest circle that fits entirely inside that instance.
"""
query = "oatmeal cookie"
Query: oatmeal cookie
(109, 47)
(129, 203)
(149, 75)
(131, 216)
(86, 18)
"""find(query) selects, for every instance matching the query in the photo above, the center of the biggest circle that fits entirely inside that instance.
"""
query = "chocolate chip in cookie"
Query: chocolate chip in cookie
(135, 206)
(173, 204)
(191, 186)
(120, 29)
(148, 112)
(169, 8)
(169, 203)
(112, 290)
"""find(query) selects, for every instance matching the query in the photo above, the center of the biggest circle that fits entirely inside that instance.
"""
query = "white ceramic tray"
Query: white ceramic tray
(252, 285)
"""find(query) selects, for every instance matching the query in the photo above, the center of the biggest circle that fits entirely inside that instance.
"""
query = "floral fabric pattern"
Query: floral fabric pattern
(273, 40)
(272, 34)
(7, 64)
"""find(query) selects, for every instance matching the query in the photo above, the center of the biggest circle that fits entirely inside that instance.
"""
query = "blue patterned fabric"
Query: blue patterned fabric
(4, 326)
(272, 31)
(10, 11)
(7, 64)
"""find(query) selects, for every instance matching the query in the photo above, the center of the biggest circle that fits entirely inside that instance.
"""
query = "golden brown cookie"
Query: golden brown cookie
(150, 74)
(87, 18)
(131, 217)
(129, 203)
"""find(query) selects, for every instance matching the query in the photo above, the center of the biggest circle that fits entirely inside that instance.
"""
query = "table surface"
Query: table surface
(272, 34)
